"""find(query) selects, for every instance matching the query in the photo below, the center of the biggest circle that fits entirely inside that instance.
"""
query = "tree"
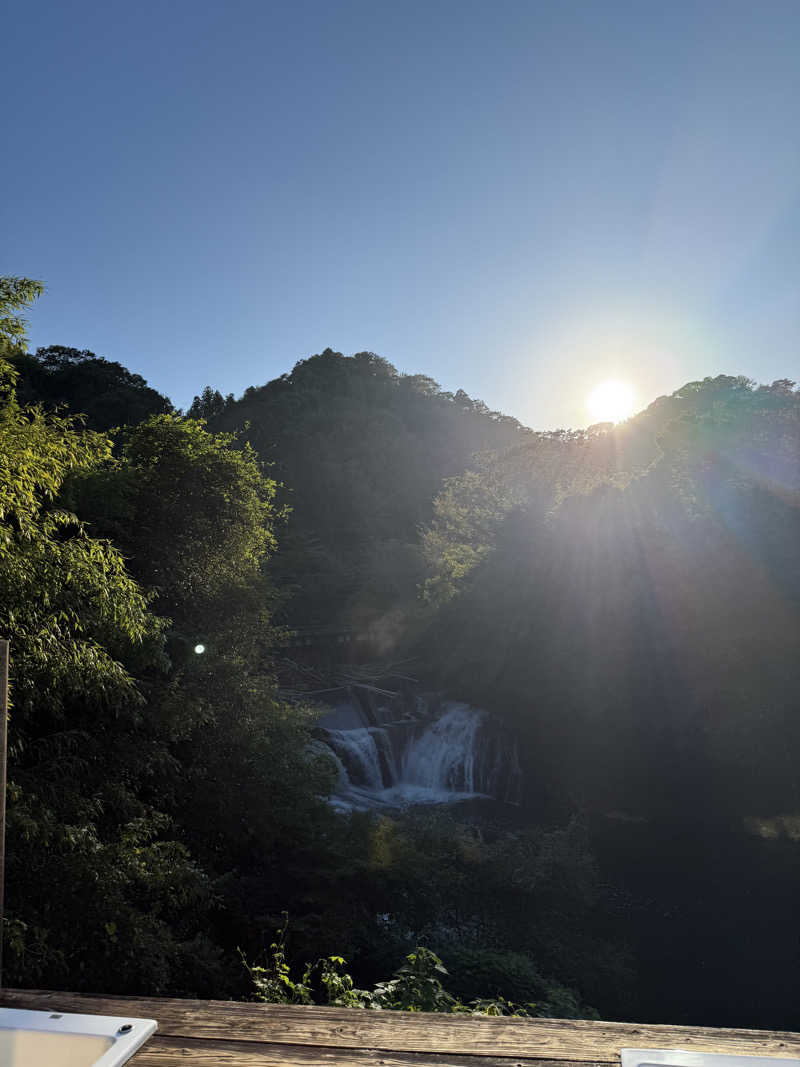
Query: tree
(106, 394)
(78, 624)
(62, 589)
(196, 518)
(211, 402)
(16, 294)
(193, 513)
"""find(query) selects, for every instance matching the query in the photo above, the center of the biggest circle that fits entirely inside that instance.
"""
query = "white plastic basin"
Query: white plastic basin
(665, 1057)
(51, 1039)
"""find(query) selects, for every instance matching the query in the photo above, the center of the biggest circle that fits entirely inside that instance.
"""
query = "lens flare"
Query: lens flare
(611, 401)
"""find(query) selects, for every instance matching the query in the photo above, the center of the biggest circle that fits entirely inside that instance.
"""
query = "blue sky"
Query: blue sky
(519, 199)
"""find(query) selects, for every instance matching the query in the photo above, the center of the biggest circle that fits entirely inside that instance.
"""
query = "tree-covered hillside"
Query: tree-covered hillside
(362, 451)
(644, 628)
(626, 597)
(166, 805)
(105, 393)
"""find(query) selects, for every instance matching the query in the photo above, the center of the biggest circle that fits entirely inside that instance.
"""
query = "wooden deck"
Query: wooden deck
(203, 1033)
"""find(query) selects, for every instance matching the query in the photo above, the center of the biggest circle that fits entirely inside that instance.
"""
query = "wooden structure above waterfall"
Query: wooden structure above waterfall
(202, 1033)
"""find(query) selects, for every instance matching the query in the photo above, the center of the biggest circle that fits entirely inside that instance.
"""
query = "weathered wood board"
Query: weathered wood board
(194, 1033)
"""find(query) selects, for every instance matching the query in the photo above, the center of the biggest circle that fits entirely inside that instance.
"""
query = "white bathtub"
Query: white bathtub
(52, 1039)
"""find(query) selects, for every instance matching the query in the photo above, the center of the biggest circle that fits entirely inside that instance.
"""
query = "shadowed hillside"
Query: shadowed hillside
(362, 451)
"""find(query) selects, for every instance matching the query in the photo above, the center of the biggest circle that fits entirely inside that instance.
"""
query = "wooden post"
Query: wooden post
(4, 656)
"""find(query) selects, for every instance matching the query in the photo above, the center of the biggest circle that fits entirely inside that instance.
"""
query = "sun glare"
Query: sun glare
(611, 401)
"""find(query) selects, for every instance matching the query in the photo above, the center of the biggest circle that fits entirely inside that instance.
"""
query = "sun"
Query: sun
(611, 401)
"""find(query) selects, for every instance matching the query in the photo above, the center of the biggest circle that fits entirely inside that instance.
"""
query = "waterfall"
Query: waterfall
(443, 759)
(366, 755)
(392, 756)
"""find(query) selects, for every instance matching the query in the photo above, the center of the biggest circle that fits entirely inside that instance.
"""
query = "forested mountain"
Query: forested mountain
(625, 599)
(359, 452)
(642, 631)
(362, 451)
(165, 803)
(644, 628)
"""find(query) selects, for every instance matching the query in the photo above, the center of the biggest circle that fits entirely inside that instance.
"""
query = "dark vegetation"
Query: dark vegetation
(628, 598)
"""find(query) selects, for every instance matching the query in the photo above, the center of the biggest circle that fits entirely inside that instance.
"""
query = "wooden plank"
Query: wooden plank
(163, 1051)
(550, 1039)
